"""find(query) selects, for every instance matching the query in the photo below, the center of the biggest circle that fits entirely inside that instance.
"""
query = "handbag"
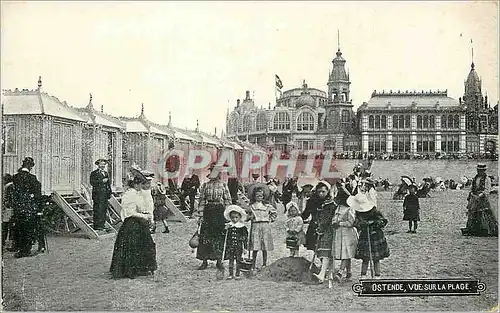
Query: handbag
(194, 242)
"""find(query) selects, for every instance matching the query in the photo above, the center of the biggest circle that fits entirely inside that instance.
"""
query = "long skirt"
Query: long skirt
(482, 223)
(262, 238)
(325, 243)
(377, 245)
(135, 251)
(212, 233)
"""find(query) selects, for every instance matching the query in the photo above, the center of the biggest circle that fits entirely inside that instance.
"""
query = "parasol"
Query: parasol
(406, 180)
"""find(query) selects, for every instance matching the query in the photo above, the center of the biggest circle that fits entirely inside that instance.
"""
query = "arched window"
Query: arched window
(329, 145)
(407, 121)
(401, 122)
(247, 126)
(395, 121)
(371, 122)
(377, 121)
(281, 121)
(384, 122)
(419, 121)
(432, 122)
(456, 121)
(261, 121)
(450, 121)
(426, 121)
(443, 122)
(305, 121)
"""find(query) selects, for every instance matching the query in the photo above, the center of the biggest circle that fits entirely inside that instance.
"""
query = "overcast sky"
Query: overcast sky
(196, 58)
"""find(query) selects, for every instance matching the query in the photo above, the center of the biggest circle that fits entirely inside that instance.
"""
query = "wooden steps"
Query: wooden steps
(173, 205)
(80, 211)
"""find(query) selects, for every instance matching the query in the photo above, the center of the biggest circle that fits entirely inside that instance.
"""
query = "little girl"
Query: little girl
(411, 208)
(369, 222)
(294, 229)
(236, 238)
(261, 214)
(160, 212)
(345, 236)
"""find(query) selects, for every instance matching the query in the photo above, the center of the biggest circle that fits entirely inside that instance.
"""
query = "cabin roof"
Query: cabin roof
(178, 133)
(135, 126)
(100, 118)
(35, 102)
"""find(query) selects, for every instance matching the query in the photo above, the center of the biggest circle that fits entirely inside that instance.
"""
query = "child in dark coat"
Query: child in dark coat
(411, 209)
(236, 238)
(370, 222)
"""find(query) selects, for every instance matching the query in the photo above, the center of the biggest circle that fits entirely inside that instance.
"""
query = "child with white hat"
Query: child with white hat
(372, 245)
(237, 237)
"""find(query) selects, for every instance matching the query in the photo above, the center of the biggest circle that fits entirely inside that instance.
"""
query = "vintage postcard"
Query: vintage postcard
(249, 156)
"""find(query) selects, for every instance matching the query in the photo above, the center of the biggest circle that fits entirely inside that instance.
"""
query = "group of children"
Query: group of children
(357, 227)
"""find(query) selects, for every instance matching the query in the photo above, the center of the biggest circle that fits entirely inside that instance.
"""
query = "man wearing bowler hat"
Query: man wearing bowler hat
(101, 192)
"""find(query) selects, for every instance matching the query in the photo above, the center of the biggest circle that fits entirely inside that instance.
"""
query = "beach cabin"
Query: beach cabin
(143, 142)
(102, 138)
(39, 125)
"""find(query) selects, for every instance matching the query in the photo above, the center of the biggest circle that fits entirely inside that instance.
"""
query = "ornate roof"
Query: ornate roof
(338, 71)
(36, 102)
(473, 83)
(305, 98)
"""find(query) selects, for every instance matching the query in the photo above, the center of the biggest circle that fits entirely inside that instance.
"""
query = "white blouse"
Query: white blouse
(148, 201)
(132, 203)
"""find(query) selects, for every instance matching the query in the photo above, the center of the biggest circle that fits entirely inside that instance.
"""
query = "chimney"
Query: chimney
(248, 95)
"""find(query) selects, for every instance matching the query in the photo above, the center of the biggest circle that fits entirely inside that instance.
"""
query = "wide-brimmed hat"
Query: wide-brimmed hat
(234, 208)
(100, 160)
(137, 176)
(482, 166)
(263, 186)
(464, 179)
(360, 202)
(407, 180)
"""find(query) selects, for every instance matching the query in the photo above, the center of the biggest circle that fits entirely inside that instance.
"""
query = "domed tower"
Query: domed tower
(472, 96)
(338, 80)
(305, 98)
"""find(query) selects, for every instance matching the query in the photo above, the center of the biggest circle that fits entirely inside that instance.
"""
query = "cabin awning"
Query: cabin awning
(135, 126)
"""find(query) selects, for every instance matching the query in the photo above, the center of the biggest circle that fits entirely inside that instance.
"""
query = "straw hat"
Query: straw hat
(360, 203)
(263, 186)
(324, 183)
(234, 208)
(100, 160)
(482, 166)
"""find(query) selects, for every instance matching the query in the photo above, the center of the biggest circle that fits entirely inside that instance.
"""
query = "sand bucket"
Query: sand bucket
(292, 243)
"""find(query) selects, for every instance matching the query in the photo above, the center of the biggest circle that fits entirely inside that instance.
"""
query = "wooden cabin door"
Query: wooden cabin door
(63, 157)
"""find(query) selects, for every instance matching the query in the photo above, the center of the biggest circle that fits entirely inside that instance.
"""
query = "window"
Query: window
(450, 143)
(247, 126)
(483, 123)
(395, 121)
(9, 139)
(432, 122)
(400, 143)
(305, 121)
(401, 121)
(377, 121)
(425, 143)
(329, 145)
(281, 121)
(456, 121)
(371, 123)
(426, 121)
(345, 116)
(261, 121)
(306, 145)
(383, 122)
(376, 143)
(419, 121)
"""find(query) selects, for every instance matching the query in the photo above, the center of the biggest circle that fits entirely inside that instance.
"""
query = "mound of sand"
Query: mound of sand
(288, 269)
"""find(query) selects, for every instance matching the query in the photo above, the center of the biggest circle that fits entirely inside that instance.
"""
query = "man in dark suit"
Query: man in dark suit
(189, 187)
(172, 165)
(101, 192)
(27, 192)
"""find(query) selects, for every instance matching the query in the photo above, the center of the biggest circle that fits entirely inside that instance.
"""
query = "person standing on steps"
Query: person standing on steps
(189, 188)
(101, 192)
(172, 166)
(26, 195)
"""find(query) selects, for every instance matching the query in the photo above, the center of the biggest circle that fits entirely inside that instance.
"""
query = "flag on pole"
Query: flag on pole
(279, 83)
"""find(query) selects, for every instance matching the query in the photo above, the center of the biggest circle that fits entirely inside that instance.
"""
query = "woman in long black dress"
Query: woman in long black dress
(214, 197)
(134, 252)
